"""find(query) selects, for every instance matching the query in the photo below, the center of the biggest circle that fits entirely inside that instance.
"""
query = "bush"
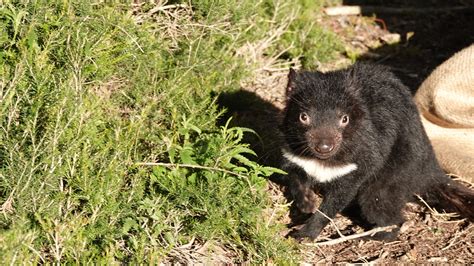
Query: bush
(91, 91)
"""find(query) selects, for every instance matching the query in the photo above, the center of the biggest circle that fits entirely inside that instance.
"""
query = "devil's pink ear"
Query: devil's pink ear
(291, 82)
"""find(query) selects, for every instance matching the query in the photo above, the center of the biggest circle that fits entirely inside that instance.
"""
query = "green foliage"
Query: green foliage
(314, 44)
(88, 91)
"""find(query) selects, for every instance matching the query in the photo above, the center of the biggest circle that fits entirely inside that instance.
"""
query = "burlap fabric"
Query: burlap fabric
(446, 103)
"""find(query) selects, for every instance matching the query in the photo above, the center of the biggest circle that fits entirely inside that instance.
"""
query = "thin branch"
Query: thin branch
(351, 237)
(435, 213)
(452, 242)
(462, 180)
(163, 8)
(427, 206)
(131, 38)
(332, 222)
(195, 166)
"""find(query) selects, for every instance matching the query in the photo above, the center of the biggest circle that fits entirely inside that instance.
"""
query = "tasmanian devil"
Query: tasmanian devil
(356, 136)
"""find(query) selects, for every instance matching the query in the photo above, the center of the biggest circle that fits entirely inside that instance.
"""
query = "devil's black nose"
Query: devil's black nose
(324, 146)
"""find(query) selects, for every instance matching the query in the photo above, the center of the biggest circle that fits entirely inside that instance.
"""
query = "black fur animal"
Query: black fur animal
(356, 135)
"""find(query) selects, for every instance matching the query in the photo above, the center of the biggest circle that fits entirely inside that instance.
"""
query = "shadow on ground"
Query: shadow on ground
(438, 33)
(249, 110)
(440, 29)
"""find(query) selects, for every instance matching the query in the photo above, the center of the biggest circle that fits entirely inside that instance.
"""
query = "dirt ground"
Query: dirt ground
(412, 40)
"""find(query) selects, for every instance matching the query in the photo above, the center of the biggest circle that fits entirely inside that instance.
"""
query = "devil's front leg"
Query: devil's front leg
(337, 195)
(301, 190)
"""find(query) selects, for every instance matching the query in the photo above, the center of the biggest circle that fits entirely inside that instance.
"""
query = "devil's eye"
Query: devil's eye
(344, 120)
(304, 118)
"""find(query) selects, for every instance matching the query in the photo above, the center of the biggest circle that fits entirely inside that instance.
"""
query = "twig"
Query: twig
(434, 212)
(188, 245)
(131, 38)
(163, 8)
(331, 221)
(35, 251)
(427, 206)
(176, 165)
(461, 180)
(451, 243)
(350, 237)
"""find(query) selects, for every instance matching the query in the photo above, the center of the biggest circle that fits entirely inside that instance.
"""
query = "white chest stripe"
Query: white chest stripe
(317, 170)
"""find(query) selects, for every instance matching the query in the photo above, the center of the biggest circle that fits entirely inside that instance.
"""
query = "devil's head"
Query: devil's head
(322, 112)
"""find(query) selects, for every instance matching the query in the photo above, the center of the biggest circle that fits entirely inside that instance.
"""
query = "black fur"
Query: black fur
(384, 137)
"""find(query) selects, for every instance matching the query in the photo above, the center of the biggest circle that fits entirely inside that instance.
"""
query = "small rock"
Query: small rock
(391, 38)
(438, 259)
(406, 226)
(404, 258)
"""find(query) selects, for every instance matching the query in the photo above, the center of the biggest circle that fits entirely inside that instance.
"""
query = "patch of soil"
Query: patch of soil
(424, 238)
(430, 32)
(412, 44)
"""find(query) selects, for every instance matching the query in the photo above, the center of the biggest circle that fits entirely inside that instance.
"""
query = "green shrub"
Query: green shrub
(90, 91)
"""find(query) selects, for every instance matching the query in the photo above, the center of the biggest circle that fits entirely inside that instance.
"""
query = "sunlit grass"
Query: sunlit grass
(88, 92)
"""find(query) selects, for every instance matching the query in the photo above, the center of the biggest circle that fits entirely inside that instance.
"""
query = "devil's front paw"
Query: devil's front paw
(304, 197)
(386, 236)
(304, 232)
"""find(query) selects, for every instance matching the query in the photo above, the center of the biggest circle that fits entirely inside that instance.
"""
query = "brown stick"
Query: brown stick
(214, 169)
(350, 237)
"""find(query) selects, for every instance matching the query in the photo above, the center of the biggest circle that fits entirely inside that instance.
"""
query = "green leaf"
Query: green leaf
(240, 169)
(243, 149)
(195, 128)
(192, 179)
(245, 161)
(187, 155)
(129, 224)
(172, 154)
(268, 170)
